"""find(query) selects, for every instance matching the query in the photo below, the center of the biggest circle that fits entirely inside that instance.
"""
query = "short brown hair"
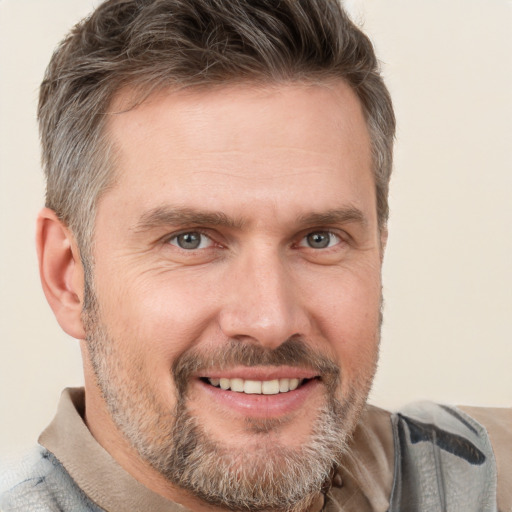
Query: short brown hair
(150, 44)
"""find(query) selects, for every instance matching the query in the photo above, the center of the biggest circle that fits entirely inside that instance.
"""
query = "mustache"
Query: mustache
(292, 352)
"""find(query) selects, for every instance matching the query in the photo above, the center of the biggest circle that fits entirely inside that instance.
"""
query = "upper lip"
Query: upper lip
(262, 373)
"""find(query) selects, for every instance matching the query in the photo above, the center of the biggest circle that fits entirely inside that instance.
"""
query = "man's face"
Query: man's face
(237, 279)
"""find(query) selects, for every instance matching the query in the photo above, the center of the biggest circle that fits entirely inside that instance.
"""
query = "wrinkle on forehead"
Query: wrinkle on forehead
(198, 104)
(290, 144)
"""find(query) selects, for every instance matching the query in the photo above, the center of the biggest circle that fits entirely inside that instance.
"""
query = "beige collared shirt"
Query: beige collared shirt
(363, 484)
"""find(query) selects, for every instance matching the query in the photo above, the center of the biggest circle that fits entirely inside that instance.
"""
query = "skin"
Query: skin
(277, 163)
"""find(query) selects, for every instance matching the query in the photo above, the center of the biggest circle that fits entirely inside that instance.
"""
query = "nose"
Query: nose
(261, 302)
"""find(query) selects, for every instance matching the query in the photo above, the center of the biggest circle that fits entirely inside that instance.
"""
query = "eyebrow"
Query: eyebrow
(162, 216)
(336, 216)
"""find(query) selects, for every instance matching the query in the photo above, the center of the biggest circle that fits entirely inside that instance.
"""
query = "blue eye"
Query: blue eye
(191, 240)
(320, 240)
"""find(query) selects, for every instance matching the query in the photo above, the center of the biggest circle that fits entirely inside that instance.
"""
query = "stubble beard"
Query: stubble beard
(267, 477)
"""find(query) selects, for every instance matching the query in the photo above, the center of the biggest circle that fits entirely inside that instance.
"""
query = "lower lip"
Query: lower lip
(262, 406)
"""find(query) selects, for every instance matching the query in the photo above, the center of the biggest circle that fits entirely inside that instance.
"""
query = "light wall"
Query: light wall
(448, 268)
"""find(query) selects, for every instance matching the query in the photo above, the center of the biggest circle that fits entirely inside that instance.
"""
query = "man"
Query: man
(217, 178)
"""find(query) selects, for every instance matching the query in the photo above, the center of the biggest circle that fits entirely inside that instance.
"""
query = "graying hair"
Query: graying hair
(152, 44)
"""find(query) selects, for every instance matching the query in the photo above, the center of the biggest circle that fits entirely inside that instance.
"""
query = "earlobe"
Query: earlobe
(61, 272)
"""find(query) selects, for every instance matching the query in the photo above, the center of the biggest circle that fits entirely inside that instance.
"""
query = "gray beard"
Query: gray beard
(266, 477)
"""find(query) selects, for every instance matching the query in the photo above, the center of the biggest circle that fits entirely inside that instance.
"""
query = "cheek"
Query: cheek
(155, 317)
(348, 317)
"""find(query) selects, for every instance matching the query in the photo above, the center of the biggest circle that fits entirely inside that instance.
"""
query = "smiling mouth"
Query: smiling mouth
(256, 387)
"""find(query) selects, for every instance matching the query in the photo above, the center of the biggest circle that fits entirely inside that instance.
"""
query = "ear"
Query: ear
(61, 272)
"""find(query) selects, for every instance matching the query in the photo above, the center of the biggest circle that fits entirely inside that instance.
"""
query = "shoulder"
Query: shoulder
(375, 456)
(498, 423)
(38, 483)
(464, 445)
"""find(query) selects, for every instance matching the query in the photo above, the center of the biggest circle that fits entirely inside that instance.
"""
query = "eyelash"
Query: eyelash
(323, 232)
(302, 243)
(201, 234)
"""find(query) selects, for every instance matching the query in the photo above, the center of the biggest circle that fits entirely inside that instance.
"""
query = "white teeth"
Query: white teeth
(237, 385)
(270, 387)
(294, 384)
(257, 387)
(252, 387)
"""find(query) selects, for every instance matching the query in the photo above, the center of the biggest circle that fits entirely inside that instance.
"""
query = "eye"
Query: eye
(191, 240)
(320, 240)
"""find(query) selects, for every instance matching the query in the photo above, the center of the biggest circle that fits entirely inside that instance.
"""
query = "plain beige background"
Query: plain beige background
(448, 269)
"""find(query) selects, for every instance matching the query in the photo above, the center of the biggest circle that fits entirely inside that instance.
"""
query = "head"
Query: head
(152, 45)
(218, 173)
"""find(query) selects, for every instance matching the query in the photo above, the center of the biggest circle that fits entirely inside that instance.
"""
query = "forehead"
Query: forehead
(232, 142)
(223, 117)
